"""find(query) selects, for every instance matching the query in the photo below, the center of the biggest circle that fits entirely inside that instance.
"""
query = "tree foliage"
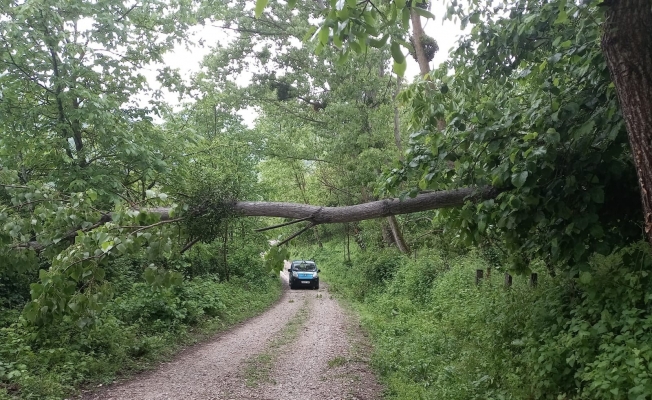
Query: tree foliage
(103, 194)
(530, 109)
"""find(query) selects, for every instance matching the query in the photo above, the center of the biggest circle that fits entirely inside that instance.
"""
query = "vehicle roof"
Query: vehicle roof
(303, 262)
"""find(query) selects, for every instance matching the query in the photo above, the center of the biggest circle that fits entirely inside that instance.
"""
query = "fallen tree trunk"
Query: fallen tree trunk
(359, 212)
(371, 210)
(317, 215)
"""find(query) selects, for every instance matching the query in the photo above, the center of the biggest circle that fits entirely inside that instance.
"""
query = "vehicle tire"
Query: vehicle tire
(317, 286)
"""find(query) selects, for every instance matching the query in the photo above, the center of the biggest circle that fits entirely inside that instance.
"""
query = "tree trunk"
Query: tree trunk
(347, 249)
(398, 235)
(393, 224)
(397, 125)
(225, 249)
(361, 212)
(317, 238)
(627, 47)
(320, 215)
(301, 183)
(417, 32)
(388, 237)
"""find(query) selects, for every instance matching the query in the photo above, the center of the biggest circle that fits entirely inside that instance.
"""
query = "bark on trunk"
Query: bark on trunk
(225, 249)
(361, 212)
(317, 238)
(323, 215)
(398, 235)
(627, 47)
(393, 224)
(417, 33)
(397, 122)
(388, 237)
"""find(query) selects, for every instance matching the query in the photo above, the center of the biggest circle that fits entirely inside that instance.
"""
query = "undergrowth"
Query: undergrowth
(437, 335)
(140, 327)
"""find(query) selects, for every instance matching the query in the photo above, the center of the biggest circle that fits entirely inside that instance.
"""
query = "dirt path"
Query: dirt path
(306, 347)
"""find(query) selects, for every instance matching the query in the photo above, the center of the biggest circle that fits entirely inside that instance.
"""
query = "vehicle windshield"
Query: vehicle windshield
(305, 266)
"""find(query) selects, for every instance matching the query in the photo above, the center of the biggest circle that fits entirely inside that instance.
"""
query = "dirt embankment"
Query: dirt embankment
(306, 347)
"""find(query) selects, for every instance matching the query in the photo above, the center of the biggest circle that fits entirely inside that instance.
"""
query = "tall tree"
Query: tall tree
(316, 109)
(69, 77)
(627, 46)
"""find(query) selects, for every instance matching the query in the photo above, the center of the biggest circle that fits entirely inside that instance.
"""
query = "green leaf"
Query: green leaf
(106, 246)
(399, 68)
(474, 18)
(562, 17)
(397, 54)
(150, 274)
(337, 41)
(585, 277)
(423, 13)
(585, 129)
(369, 18)
(260, 7)
(597, 231)
(405, 18)
(343, 58)
(323, 35)
(98, 274)
(292, 3)
(597, 194)
(518, 179)
(375, 43)
(552, 136)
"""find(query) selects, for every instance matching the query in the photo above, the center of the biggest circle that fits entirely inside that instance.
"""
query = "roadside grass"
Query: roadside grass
(438, 335)
(337, 361)
(118, 347)
(258, 368)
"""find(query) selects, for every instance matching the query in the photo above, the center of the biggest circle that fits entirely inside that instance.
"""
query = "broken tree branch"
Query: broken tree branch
(311, 225)
(189, 245)
(296, 221)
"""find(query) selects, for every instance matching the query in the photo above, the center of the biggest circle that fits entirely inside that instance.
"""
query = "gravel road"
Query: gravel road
(305, 347)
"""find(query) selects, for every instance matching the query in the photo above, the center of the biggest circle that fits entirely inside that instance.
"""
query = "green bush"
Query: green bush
(598, 345)
(439, 336)
(141, 325)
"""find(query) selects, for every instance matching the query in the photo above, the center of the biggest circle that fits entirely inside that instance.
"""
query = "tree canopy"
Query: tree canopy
(523, 135)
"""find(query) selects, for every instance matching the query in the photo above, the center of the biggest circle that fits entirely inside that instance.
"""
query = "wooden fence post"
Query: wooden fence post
(533, 279)
(488, 273)
(508, 280)
(478, 276)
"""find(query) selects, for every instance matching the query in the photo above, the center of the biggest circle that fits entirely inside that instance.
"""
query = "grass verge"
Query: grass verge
(259, 367)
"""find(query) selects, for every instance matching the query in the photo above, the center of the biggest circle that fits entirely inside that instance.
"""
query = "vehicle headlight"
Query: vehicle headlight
(295, 274)
(315, 276)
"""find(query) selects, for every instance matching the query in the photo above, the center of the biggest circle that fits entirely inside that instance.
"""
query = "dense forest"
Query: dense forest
(130, 227)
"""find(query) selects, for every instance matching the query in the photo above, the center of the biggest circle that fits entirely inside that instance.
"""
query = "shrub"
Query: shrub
(438, 335)
(141, 324)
